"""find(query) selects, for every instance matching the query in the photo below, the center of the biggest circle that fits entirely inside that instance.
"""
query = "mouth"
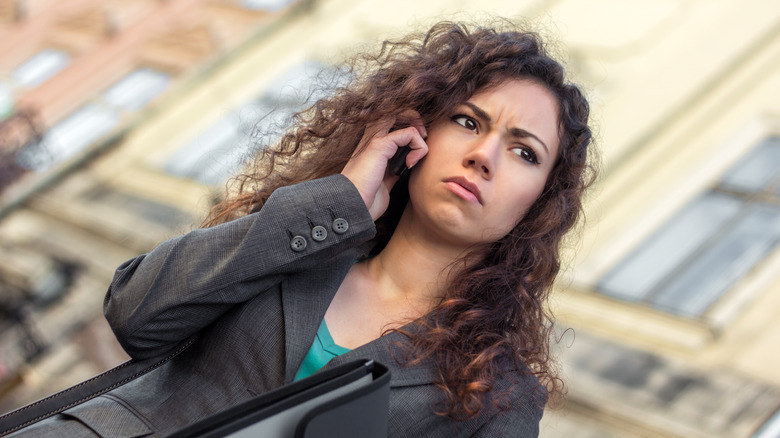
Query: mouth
(464, 188)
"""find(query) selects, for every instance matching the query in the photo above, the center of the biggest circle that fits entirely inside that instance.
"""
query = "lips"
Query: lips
(464, 188)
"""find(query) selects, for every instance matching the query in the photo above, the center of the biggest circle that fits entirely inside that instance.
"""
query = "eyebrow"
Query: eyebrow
(516, 132)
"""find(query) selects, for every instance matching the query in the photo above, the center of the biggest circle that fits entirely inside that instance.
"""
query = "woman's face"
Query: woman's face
(486, 165)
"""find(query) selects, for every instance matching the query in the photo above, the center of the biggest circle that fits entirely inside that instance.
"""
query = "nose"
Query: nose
(483, 156)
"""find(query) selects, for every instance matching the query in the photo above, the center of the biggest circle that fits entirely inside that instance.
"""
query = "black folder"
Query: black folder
(349, 400)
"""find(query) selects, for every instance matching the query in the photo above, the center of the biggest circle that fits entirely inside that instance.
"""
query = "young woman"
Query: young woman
(442, 277)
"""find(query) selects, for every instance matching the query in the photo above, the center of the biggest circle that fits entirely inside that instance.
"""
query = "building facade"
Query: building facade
(666, 305)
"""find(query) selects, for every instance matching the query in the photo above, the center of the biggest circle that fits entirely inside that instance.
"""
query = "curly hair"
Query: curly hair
(494, 309)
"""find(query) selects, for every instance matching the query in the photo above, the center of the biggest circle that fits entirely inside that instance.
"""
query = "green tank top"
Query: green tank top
(322, 350)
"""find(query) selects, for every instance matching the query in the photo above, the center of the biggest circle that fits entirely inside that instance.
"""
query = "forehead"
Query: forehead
(519, 94)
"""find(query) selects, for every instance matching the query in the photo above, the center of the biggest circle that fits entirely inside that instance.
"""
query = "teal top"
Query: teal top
(321, 352)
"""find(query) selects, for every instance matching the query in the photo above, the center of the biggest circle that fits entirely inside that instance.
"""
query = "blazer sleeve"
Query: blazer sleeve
(161, 298)
(519, 424)
(522, 421)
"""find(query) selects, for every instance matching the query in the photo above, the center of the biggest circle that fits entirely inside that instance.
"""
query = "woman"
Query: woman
(443, 278)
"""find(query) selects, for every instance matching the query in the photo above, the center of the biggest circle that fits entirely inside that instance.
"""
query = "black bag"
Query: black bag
(86, 390)
(349, 400)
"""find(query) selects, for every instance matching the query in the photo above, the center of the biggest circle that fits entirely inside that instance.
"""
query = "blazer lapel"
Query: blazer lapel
(305, 298)
(389, 351)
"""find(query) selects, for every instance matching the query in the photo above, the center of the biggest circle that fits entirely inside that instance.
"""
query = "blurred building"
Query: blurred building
(123, 120)
(76, 78)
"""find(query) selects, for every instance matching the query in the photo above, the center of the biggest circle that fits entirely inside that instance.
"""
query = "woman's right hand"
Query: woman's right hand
(368, 168)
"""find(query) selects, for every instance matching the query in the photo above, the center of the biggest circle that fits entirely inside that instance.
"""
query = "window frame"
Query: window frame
(38, 161)
(279, 98)
(736, 207)
(619, 220)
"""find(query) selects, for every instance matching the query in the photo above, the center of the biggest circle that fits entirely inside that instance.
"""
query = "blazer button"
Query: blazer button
(340, 226)
(319, 233)
(298, 243)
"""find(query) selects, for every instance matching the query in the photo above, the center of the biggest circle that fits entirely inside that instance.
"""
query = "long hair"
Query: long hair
(493, 310)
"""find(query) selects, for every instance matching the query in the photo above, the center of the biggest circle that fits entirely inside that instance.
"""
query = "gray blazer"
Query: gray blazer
(254, 294)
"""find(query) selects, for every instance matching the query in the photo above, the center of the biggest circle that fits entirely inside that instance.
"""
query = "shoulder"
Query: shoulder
(514, 406)
(519, 405)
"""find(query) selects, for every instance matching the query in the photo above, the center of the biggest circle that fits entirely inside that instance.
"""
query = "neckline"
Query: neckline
(327, 342)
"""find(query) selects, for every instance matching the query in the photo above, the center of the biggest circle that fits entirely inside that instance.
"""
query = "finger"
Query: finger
(403, 143)
(379, 128)
(419, 150)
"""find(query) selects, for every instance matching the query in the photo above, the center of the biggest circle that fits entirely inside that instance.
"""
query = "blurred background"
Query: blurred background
(121, 120)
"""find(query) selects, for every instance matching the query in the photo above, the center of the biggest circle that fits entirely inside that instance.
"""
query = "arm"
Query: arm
(528, 398)
(514, 423)
(158, 299)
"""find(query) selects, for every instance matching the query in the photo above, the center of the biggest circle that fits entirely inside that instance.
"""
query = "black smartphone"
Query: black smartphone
(398, 162)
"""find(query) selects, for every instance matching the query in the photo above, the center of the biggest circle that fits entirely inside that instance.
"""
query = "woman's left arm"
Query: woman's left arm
(522, 420)
(515, 423)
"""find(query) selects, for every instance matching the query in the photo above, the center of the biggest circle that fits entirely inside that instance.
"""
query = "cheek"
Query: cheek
(424, 174)
(522, 200)
(414, 179)
(419, 182)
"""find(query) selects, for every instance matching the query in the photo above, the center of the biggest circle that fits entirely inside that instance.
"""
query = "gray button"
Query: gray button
(319, 233)
(340, 226)
(298, 243)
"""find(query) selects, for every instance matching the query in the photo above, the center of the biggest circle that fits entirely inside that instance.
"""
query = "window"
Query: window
(40, 67)
(6, 100)
(95, 119)
(712, 242)
(770, 429)
(32, 73)
(266, 5)
(136, 90)
(70, 135)
(215, 153)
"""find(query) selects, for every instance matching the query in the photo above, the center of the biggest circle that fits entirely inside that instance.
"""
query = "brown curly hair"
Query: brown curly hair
(494, 309)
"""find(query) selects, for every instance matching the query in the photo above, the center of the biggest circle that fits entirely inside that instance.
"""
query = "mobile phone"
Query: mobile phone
(397, 163)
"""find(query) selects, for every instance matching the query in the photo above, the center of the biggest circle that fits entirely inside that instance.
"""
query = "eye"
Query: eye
(465, 121)
(527, 154)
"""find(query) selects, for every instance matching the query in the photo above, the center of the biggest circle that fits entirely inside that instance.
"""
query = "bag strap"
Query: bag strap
(86, 390)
